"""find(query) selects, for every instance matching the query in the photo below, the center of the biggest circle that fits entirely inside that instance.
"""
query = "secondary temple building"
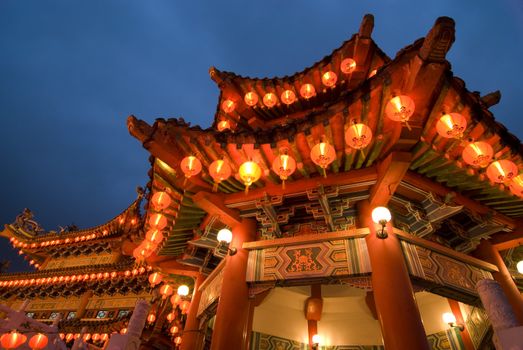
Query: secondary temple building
(363, 203)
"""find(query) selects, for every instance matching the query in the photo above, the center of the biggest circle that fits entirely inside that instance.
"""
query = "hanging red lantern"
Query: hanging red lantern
(173, 330)
(154, 236)
(95, 337)
(158, 221)
(104, 337)
(228, 106)
(123, 331)
(223, 125)
(171, 316)
(284, 165)
(161, 200)
(329, 79)
(249, 172)
(451, 125)
(191, 166)
(178, 340)
(373, 73)
(348, 65)
(176, 299)
(502, 171)
(358, 136)
(270, 99)
(151, 318)
(288, 97)
(38, 341)
(307, 91)
(166, 290)
(69, 337)
(12, 340)
(219, 170)
(400, 108)
(516, 186)
(184, 306)
(87, 336)
(478, 154)
(322, 155)
(251, 98)
(155, 278)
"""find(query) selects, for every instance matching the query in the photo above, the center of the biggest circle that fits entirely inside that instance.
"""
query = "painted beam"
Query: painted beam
(213, 204)
(390, 173)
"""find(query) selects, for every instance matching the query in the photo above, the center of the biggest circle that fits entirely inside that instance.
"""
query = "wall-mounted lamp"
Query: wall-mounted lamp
(448, 317)
(316, 339)
(381, 215)
(224, 236)
(519, 266)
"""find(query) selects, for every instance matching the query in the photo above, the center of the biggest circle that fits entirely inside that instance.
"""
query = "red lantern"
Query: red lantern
(329, 79)
(69, 337)
(251, 98)
(348, 65)
(38, 341)
(270, 100)
(191, 166)
(451, 125)
(171, 316)
(175, 299)
(400, 108)
(184, 306)
(155, 278)
(322, 155)
(516, 186)
(151, 318)
(161, 200)
(478, 154)
(284, 165)
(358, 136)
(219, 170)
(157, 221)
(123, 331)
(12, 340)
(228, 106)
(373, 73)
(166, 290)
(87, 336)
(502, 171)
(288, 97)
(249, 172)
(173, 330)
(154, 236)
(104, 337)
(307, 91)
(178, 340)
(95, 337)
(223, 125)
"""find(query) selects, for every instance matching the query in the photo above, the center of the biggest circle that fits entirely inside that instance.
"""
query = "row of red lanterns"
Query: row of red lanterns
(15, 339)
(288, 97)
(75, 278)
(160, 201)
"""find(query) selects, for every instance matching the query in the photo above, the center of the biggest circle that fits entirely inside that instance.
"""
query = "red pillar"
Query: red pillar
(231, 328)
(398, 313)
(465, 335)
(313, 310)
(489, 253)
(191, 332)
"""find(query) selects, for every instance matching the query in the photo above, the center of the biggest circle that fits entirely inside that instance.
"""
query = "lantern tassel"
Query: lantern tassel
(408, 126)
(215, 187)
(185, 181)
(246, 189)
(325, 172)
(283, 184)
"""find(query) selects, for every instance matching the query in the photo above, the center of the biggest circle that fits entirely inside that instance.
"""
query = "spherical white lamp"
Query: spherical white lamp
(224, 235)
(381, 215)
(183, 290)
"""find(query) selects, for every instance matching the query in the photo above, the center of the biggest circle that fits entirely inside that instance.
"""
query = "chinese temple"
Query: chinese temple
(366, 202)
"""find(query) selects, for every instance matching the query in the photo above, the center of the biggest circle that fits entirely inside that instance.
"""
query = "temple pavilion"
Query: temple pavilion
(366, 202)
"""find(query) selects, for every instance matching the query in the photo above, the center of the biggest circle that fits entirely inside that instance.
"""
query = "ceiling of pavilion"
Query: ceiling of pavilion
(440, 198)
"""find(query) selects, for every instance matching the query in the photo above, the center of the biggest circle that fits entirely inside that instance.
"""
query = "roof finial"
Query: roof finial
(366, 26)
(438, 41)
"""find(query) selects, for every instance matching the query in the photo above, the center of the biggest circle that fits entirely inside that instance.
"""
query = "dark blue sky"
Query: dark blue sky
(72, 71)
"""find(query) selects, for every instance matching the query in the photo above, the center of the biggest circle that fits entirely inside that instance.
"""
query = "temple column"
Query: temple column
(84, 300)
(398, 313)
(232, 316)
(465, 335)
(191, 332)
(489, 253)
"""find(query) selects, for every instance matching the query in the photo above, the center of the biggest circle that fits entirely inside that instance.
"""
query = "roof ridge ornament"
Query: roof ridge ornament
(366, 26)
(439, 40)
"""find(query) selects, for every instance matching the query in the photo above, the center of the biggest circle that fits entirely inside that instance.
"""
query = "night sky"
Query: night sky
(72, 71)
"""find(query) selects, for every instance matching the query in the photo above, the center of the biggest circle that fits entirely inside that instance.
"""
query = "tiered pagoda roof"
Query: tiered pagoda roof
(439, 197)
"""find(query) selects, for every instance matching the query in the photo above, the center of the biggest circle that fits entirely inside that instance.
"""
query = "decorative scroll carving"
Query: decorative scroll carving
(25, 221)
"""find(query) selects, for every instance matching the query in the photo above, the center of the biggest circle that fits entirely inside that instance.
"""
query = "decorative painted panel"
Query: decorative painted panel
(442, 274)
(476, 321)
(81, 261)
(114, 302)
(334, 259)
(211, 291)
